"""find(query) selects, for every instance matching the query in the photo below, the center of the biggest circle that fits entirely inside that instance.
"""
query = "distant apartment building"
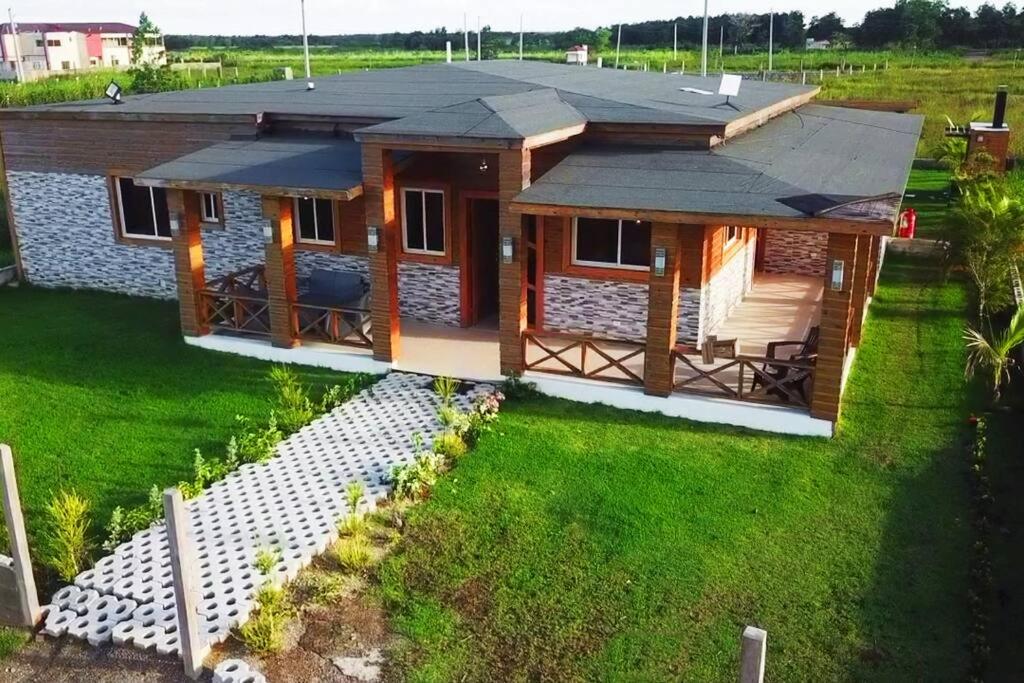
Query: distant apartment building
(44, 50)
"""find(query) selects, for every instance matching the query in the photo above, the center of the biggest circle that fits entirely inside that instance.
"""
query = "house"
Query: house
(577, 54)
(44, 49)
(813, 44)
(614, 236)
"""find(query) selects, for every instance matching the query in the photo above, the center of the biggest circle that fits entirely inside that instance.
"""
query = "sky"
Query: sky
(245, 17)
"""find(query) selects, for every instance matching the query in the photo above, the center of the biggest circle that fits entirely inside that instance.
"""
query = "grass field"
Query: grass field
(928, 192)
(594, 544)
(100, 393)
(946, 83)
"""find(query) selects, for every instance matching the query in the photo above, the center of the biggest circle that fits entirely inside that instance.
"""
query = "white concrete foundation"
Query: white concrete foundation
(764, 417)
(329, 356)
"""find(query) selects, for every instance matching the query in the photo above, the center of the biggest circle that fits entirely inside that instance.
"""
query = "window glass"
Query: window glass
(597, 240)
(211, 210)
(413, 218)
(137, 209)
(324, 220)
(163, 219)
(306, 218)
(636, 243)
(435, 221)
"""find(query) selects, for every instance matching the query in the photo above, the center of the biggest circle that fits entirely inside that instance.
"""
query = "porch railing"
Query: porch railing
(747, 378)
(584, 356)
(332, 324)
(237, 302)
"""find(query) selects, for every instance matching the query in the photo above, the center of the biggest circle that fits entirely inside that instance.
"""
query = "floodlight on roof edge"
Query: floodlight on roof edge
(113, 92)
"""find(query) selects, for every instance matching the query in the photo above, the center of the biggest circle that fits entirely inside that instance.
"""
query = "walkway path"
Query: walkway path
(291, 503)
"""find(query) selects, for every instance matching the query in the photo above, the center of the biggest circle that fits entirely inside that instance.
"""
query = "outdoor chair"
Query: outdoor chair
(796, 379)
(332, 289)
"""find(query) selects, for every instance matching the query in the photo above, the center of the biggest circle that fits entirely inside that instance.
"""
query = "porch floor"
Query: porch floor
(779, 307)
(464, 352)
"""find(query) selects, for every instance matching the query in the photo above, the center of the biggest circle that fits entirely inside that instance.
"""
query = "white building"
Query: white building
(813, 44)
(577, 54)
(44, 50)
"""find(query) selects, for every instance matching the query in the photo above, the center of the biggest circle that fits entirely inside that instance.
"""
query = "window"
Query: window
(52, 43)
(314, 221)
(609, 243)
(65, 66)
(39, 43)
(114, 61)
(209, 207)
(423, 221)
(732, 233)
(142, 211)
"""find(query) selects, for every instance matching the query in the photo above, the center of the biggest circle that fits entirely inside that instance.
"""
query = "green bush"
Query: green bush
(254, 444)
(453, 420)
(414, 481)
(353, 553)
(450, 445)
(293, 408)
(352, 525)
(339, 393)
(67, 544)
(124, 523)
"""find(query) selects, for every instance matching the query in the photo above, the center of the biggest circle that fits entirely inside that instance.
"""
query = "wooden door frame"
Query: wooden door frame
(467, 309)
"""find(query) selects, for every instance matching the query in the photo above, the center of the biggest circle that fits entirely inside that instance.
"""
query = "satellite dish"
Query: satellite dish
(730, 87)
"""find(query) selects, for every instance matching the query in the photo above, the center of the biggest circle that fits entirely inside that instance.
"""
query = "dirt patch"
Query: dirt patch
(67, 660)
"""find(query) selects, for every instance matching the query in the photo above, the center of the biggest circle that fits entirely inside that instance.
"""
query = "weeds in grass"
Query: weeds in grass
(264, 632)
(253, 444)
(354, 554)
(266, 560)
(67, 534)
(346, 389)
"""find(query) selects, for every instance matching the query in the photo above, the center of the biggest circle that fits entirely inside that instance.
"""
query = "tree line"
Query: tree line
(908, 23)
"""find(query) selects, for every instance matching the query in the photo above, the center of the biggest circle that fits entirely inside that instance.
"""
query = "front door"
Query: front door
(483, 245)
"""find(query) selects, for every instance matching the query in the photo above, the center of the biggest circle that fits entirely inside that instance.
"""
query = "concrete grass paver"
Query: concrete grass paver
(290, 504)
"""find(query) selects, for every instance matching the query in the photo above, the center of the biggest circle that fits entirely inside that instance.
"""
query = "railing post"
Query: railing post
(753, 647)
(183, 560)
(28, 599)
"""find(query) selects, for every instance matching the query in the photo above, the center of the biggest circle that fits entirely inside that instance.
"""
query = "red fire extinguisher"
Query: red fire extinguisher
(908, 223)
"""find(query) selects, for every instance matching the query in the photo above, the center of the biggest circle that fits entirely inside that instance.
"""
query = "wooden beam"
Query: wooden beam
(898, 106)
(813, 224)
(280, 270)
(662, 310)
(379, 184)
(342, 195)
(189, 266)
(836, 308)
(9, 208)
(28, 598)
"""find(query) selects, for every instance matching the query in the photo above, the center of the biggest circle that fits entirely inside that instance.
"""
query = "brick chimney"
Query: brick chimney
(992, 137)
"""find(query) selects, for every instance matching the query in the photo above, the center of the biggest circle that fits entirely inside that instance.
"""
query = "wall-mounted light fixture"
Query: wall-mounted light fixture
(838, 269)
(660, 256)
(506, 249)
(372, 238)
(175, 226)
(268, 232)
(483, 165)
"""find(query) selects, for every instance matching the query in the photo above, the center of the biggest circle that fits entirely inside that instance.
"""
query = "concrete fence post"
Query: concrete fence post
(752, 654)
(183, 561)
(28, 613)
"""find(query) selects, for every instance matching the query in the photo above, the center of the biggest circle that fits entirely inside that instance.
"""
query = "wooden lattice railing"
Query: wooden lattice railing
(332, 324)
(747, 378)
(237, 302)
(584, 356)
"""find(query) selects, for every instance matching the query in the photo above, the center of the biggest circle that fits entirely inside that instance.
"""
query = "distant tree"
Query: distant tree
(146, 76)
(826, 27)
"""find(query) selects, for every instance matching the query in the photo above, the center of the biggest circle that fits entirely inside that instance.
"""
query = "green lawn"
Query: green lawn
(586, 543)
(927, 192)
(98, 392)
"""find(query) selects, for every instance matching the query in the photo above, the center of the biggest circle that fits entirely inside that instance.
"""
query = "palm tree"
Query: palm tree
(995, 354)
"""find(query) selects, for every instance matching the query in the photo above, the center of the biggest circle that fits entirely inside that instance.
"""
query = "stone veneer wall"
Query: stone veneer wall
(799, 252)
(429, 293)
(239, 243)
(66, 238)
(728, 287)
(607, 308)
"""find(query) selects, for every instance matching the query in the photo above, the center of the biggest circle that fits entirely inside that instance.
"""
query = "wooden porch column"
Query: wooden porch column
(513, 177)
(836, 314)
(280, 270)
(860, 288)
(379, 191)
(189, 270)
(662, 310)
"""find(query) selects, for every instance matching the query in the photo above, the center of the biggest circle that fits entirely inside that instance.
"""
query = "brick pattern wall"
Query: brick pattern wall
(66, 236)
(429, 292)
(799, 252)
(727, 288)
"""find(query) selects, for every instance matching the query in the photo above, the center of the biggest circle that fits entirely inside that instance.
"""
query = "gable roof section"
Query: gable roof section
(95, 27)
(503, 117)
(814, 162)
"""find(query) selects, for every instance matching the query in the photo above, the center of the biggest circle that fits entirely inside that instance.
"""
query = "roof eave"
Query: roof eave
(340, 194)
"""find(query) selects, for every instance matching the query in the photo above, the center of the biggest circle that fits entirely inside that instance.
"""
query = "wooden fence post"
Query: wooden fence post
(183, 560)
(752, 654)
(28, 599)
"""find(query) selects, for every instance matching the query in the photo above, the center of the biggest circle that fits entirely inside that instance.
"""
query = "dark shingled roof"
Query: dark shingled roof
(815, 160)
(600, 95)
(306, 166)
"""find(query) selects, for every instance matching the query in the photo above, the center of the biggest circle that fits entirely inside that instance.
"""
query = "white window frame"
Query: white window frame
(444, 222)
(730, 240)
(203, 215)
(619, 265)
(121, 217)
(297, 221)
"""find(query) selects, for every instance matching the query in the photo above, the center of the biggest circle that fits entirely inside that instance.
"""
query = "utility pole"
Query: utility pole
(310, 85)
(704, 48)
(675, 41)
(771, 37)
(721, 44)
(478, 38)
(465, 34)
(618, 44)
(520, 37)
(19, 69)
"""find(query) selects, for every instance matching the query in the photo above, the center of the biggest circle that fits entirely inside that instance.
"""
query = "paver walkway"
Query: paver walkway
(291, 503)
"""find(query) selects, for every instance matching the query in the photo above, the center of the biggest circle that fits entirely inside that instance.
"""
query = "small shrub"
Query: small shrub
(354, 494)
(353, 554)
(483, 414)
(414, 481)
(352, 525)
(293, 408)
(450, 445)
(266, 560)
(264, 632)
(124, 523)
(253, 444)
(445, 388)
(339, 393)
(516, 388)
(67, 528)
(453, 420)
